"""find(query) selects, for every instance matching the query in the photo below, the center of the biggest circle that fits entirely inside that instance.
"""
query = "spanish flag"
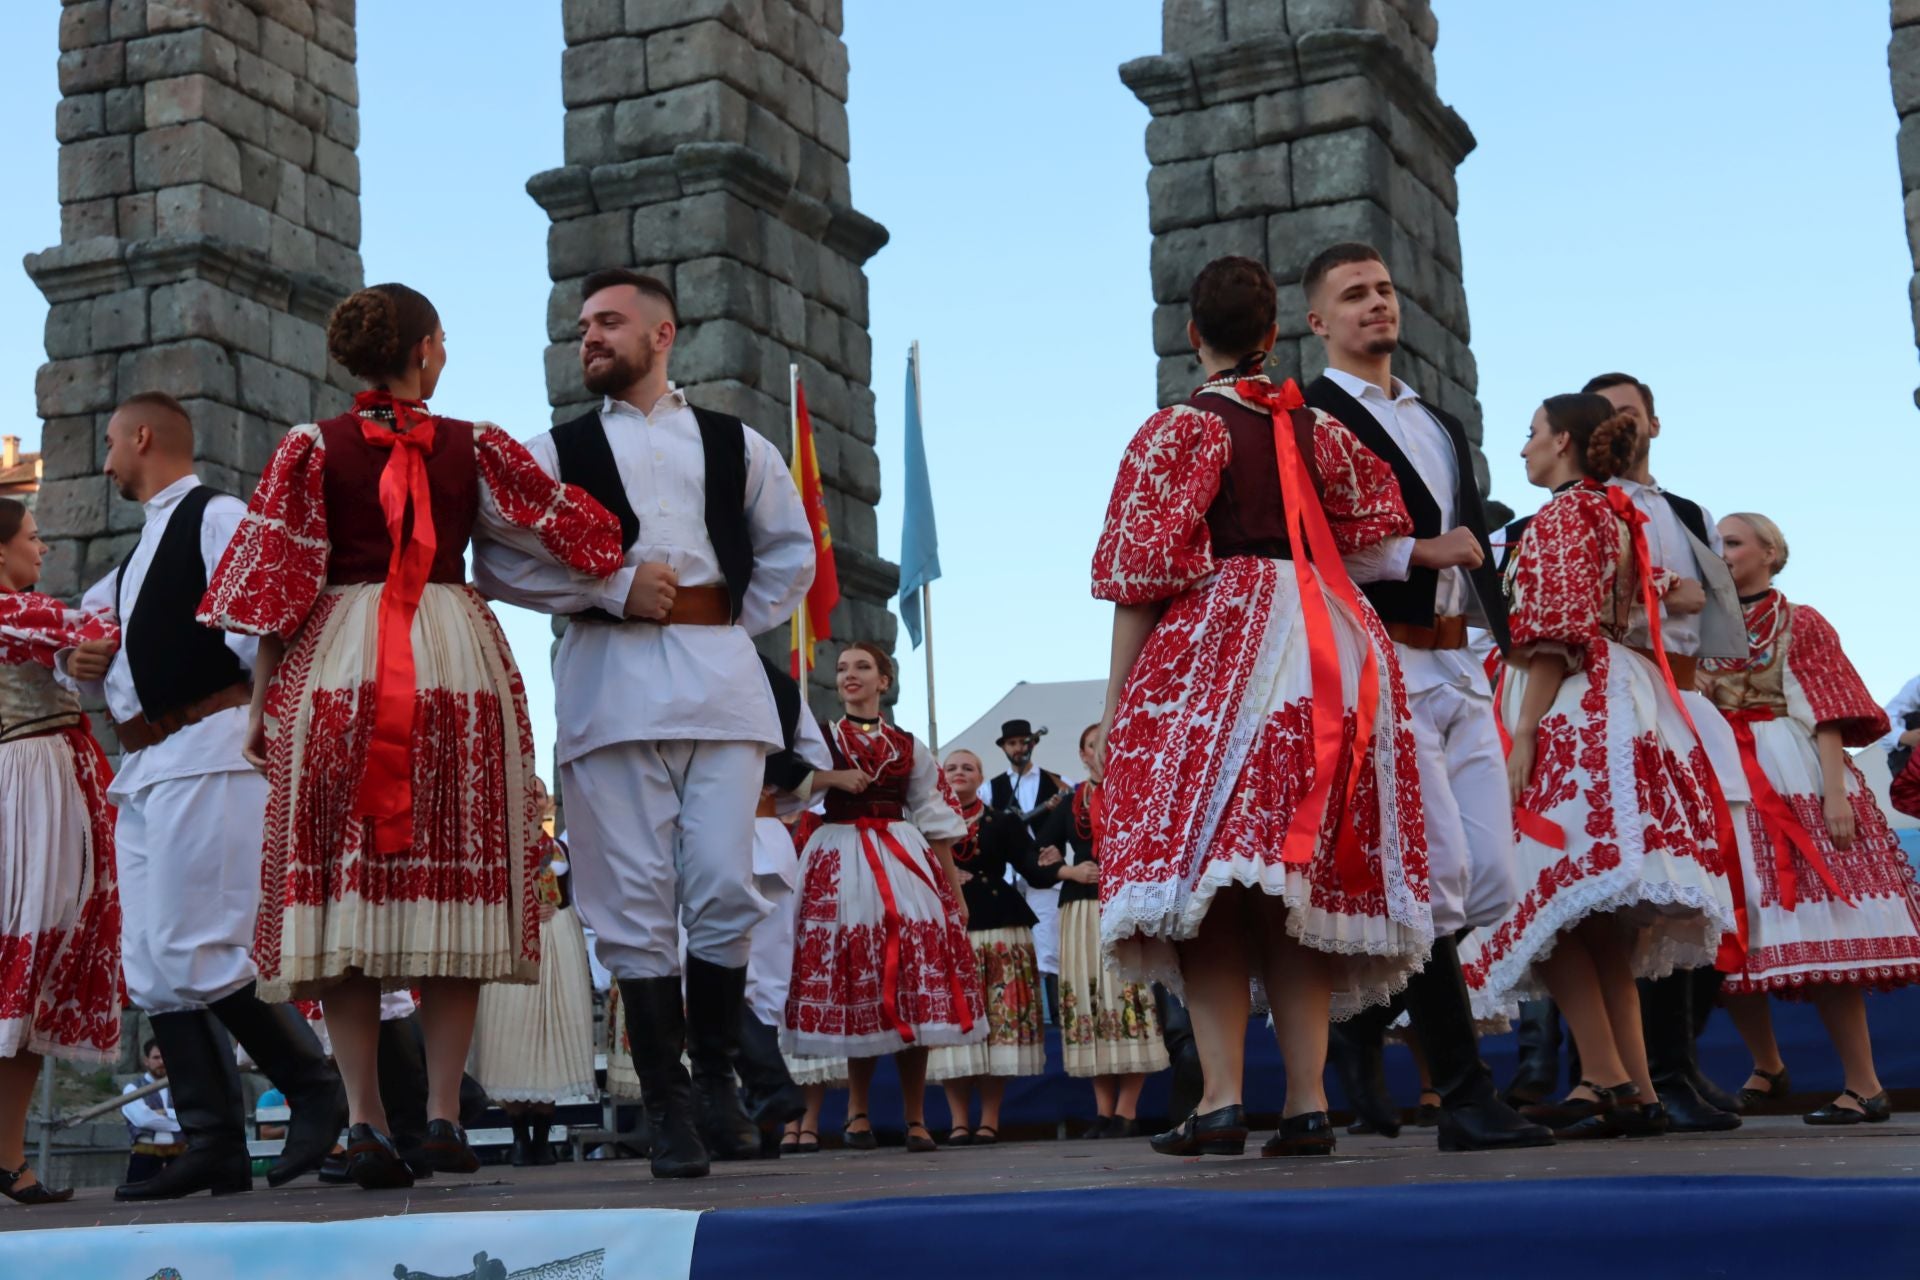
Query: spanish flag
(812, 623)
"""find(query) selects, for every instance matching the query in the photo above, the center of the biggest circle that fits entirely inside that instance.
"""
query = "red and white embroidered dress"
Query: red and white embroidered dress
(311, 564)
(59, 897)
(1618, 778)
(1212, 747)
(881, 961)
(1847, 917)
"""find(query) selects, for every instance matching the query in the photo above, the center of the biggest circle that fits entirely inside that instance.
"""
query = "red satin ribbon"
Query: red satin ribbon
(1733, 946)
(1528, 823)
(386, 789)
(876, 835)
(1784, 829)
(1309, 532)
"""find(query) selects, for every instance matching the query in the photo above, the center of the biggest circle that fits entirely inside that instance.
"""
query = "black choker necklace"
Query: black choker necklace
(863, 721)
(1756, 599)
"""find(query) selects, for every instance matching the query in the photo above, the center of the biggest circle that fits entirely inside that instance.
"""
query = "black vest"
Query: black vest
(1411, 602)
(175, 661)
(785, 769)
(586, 460)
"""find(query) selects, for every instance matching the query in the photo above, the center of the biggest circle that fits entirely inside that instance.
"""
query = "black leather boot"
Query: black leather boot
(773, 1099)
(539, 1147)
(1472, 1115)
(207, 1101)
(1667, 1019)
(402, 1067)
(1356, 1049)
(1176, 1032)
(1706, 994)
(716, 999)
(521, 1156)
(287, 1052)
(1537, 1075)
(657, 1028)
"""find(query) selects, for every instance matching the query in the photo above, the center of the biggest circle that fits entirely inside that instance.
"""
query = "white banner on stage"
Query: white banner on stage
(599, 1244)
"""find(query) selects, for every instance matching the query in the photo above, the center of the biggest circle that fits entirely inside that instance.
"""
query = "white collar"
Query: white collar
(1360, 389)
(1634, 486)
(171, 495)
(674, 399)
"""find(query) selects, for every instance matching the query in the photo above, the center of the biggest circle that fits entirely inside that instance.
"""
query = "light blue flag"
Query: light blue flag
(919, 544)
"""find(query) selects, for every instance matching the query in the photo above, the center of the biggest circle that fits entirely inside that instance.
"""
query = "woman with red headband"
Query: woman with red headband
(882, 963)
(1623, 869)
(1832, 907)
(1246, 839)
(388, 715)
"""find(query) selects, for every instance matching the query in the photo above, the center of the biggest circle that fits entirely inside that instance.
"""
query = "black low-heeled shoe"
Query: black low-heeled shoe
(447, 1149)
(1308, 1134)
(861, 1141)
(960, 1136)
(1217, 1133)
(923, 1141)
(790, 1146)
(1098, 1129)
(1564, 1112)
(38, 1193)
(1779, 1085)
(1646, 1120)
(1872, 1110)
(1582, 1121)
(1122, 1127)
(372, 1162)
(985, 1135)
(803, 1147)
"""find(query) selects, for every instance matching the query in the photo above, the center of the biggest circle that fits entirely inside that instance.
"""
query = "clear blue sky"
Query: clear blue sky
(1713, 205)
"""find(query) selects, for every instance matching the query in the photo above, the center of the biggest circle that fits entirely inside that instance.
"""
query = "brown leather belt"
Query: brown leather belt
(1445, 633)
(140, 733)
(768, 807)
(1684, 666)
(692, 607)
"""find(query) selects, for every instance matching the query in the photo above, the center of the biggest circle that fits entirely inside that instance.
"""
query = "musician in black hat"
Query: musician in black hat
(1030, 793)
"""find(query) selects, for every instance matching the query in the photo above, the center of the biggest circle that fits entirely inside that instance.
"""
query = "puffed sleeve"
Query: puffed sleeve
(1155, 543)
(1358, 492)
(276, 565)
(33, 628)
(929, 799)
(1823, 689)
(525, 508)
(1561, 577)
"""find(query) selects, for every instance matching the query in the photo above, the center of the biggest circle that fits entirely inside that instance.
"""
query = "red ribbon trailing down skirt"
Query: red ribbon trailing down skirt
(1733, 946)
(1525, 821)
(1783, 827)
(876, 840)
(386, 789)
(1316, 560)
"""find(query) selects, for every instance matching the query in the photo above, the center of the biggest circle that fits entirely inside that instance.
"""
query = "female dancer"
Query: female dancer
(1615, 804)
(1000, 926)
(59, 905)
(388, 713)
(533, 1045)
(1246, 839)
(1108, 1030)
(881, 961)
(1832, 906)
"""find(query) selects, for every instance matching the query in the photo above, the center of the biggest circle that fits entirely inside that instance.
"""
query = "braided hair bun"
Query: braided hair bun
(1611, 447)
(373, 332)
(1604, 439)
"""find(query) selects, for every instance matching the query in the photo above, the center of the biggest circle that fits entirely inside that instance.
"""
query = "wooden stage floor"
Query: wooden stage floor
(1774, 1146)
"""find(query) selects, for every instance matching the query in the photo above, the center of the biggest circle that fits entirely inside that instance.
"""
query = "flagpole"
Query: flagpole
(802, 650)
(926, 588)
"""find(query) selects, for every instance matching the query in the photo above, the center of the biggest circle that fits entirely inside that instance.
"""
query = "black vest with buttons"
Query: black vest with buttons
(175, 660)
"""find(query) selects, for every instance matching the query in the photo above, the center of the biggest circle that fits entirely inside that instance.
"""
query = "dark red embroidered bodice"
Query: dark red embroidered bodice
(886, 757)
(357, 528)
(1248, 516)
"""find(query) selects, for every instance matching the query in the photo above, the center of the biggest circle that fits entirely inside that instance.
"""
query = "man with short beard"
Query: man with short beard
(1431, 587)
(665, 717)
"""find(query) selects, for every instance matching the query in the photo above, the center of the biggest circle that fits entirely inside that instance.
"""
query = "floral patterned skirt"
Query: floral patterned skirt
(1107, 1024)
(1016, 1043)
(59, 900)
(1873, 943)
(878, 948)
(1619, 774)
(459, 903)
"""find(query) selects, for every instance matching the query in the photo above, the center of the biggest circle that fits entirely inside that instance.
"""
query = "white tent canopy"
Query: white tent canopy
(1063, 708)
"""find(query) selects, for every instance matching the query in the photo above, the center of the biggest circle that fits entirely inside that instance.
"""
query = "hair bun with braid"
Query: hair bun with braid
(1611, 446)
(374, 331)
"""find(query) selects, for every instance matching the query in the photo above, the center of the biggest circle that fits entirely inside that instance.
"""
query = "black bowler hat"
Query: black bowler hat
(1014, 729)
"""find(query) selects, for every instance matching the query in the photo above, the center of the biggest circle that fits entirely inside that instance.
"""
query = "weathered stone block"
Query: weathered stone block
(343, 123)
(335, 34)
(202, 309)
(127, 19)
(711, 350)
(830, 124)
(1205, 132)
(194, 367)
(1187, 25)
(703, 51)
(1294, 237)
(95, 168)
(332, 75)
(255, 439)
(87, 220)
(120, 320)
(603, 71)
(96, 67)
(231, 18)
(338, 263)
(587, 136)
(182, 53)
(1178, 256)
(337, 164)
(712, 288)
(72, 508)
(297, 14)
(1909, 149)
(82, 25)
(1249, 18)
(126, 109)
(705, 112)
(81, 116)
(1257, 181)
(707, 225)
(773, 140)
(332, 212)
(192, 152)
(564, 384)
(584, 20)
(643, 17)
(580, 245)
(276, 393)
(1180, 194)
(764, 413)
(310, 105)
(1323, 107)
(1353, 164)
(1906, 12)
(271, 83)
(202, 97)
(198, 209)
(67, 448)
(631, 183)
(289, 139)
(282, 47)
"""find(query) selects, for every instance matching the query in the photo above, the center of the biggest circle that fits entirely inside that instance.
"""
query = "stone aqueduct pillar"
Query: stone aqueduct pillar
(209, 220)
(1281, 126)
(707, 144)
(1903, 63)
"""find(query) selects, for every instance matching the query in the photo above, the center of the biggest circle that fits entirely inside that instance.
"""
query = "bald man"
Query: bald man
(190, 817)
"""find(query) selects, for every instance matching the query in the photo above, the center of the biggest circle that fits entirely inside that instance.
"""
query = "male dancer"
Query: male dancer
(1025, 788)
(1700, 617)
(190, 814)
(1434, 585)
(665, 718)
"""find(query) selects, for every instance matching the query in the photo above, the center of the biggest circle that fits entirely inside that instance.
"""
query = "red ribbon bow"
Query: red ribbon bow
(1783, 827)
(386, 789)
(1525, 821)
(1733, 946)
(876, 836)
(1309, 532)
